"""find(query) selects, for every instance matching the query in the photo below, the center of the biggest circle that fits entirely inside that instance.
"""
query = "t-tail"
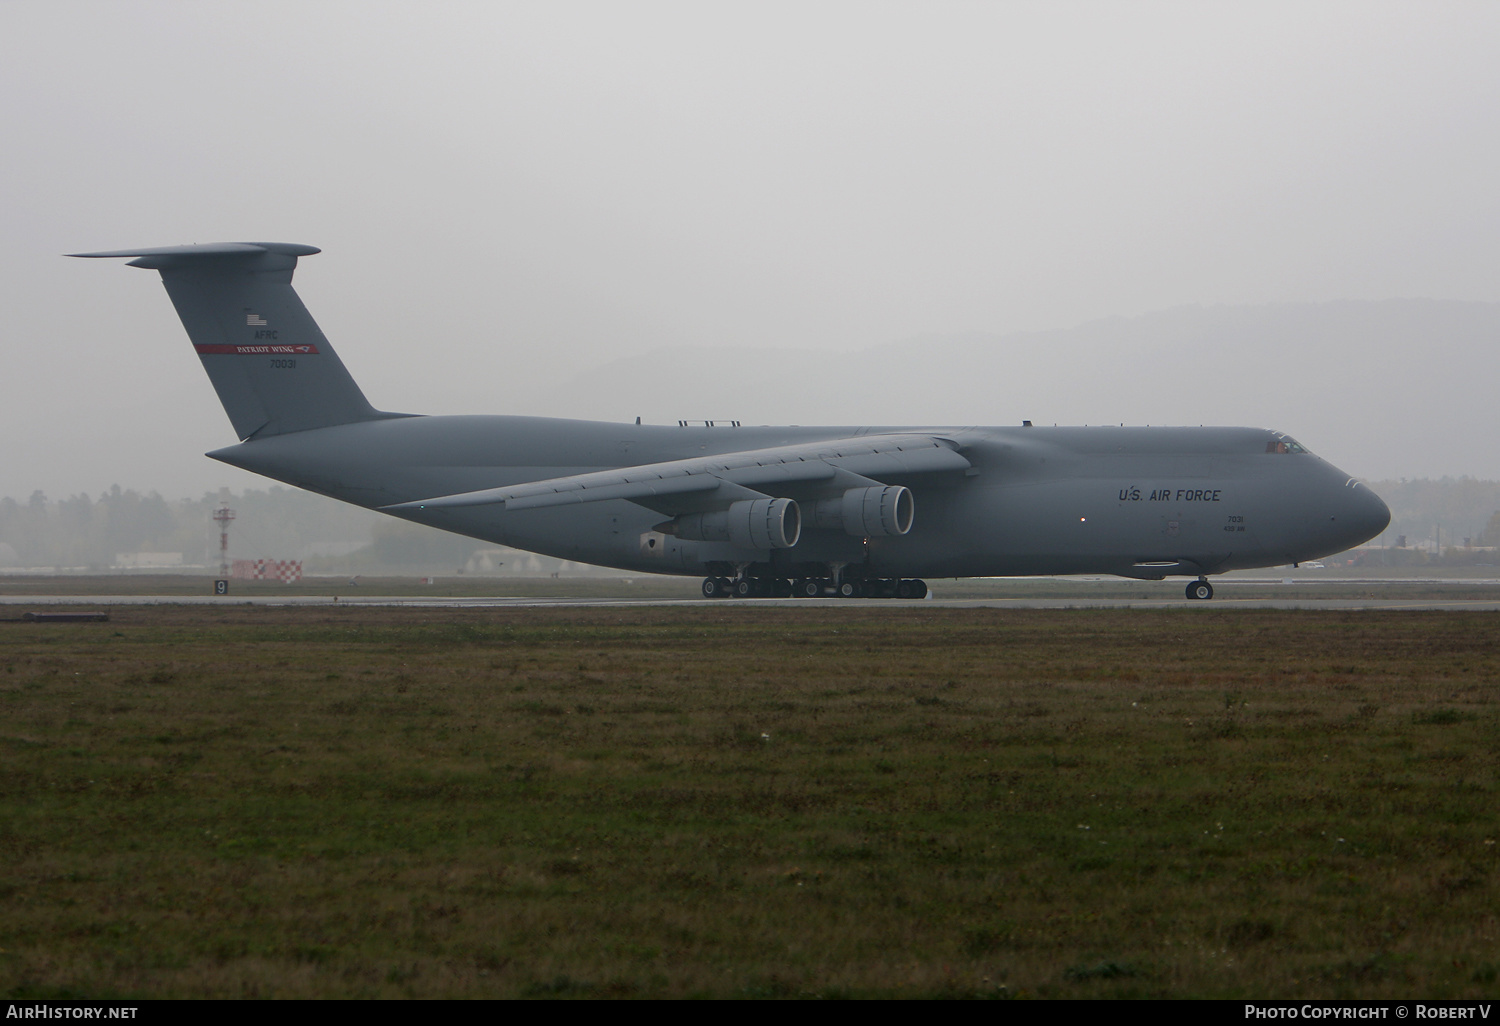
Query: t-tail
(272, 367)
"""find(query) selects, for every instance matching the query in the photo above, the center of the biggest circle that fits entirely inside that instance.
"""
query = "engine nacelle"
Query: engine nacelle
(875, 512)
(750, 524)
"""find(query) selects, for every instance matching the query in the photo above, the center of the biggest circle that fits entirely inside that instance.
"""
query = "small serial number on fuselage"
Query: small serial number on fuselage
(284, 364)
(1170, 495)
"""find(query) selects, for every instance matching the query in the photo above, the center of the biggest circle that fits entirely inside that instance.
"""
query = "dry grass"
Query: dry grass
(731, 801)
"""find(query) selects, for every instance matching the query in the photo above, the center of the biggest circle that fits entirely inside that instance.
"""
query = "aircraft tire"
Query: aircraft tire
(781, 588)
(905, 590)
(849, 589)
(810, 588)
(744, 588)
(918, 589)
(711, 588)
(1200, 590)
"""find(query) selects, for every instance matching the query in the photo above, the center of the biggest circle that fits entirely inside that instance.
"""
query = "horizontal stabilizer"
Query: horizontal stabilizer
(165, 256)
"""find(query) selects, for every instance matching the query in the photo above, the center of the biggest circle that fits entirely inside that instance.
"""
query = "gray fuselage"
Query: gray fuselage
(1137, 502)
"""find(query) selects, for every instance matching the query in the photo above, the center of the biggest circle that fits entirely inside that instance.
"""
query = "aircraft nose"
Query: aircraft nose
(1362, 514)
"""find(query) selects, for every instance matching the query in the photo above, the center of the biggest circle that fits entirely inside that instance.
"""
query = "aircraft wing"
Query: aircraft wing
(707, 482)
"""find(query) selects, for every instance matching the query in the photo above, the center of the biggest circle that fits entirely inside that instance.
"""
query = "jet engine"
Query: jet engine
(750, 524)
(874, 512)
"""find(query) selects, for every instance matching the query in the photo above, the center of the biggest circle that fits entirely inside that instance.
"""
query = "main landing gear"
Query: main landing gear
(746, 587)
(1200, 589)
(811, 587)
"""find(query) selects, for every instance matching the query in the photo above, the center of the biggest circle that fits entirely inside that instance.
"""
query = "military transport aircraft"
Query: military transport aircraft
(758, 511)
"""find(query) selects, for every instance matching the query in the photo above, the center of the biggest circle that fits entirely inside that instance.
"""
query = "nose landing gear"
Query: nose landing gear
(1200, 589)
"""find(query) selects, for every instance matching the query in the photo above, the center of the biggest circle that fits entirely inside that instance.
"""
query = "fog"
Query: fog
(836, 212)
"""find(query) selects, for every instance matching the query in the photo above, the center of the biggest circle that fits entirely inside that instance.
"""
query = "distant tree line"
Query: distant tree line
(1459, 507)
(80, 531)
(83, 531)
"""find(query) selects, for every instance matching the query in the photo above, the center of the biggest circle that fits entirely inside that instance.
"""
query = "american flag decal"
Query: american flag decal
(255, 320)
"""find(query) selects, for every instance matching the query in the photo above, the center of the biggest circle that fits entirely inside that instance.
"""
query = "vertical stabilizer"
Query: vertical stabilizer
(272, 367)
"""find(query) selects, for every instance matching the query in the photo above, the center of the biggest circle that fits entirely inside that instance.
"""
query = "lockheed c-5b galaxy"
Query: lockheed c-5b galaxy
(755, 511)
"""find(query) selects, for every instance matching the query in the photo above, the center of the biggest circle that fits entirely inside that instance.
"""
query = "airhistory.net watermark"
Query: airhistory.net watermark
(41, 1011)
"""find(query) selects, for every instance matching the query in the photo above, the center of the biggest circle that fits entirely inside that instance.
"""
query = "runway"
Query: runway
(1220, 603)
(1291, 589)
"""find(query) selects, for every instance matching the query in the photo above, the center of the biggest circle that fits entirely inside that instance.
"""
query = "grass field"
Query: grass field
(731, 801)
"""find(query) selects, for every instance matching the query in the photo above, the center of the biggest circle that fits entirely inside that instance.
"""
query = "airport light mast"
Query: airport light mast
(224, 515)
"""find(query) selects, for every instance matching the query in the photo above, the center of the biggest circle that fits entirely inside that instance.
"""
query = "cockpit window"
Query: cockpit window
(1283, 444)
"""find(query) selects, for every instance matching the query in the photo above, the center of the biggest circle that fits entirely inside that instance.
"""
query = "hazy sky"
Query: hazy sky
(508, 194)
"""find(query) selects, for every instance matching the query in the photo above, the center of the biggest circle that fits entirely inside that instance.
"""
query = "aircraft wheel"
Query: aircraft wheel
(905, 590)
(918, 589)
(1200, 590)
(712, 588)
(810, 588)
(744, 588)
(781, 588)
(849, 589)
